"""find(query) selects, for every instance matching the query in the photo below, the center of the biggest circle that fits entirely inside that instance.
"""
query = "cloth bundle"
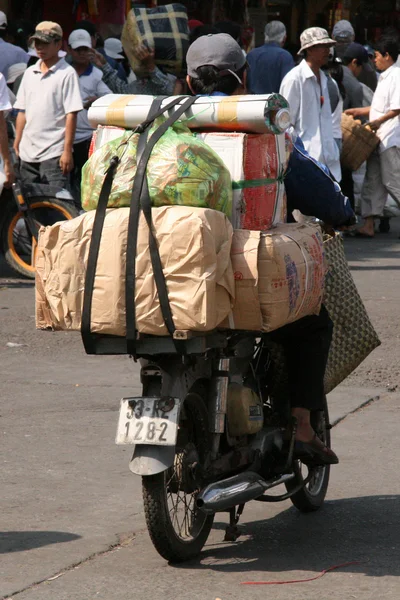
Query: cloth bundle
(164, 28)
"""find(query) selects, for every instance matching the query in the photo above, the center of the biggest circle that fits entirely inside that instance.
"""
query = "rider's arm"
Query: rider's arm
(19, 128)
(5, 153)
(66, 159)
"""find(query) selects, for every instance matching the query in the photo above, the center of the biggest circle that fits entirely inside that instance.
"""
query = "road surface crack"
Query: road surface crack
(355, 410)
(124, 540)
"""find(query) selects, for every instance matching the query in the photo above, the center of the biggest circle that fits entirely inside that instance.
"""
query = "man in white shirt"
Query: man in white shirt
(306, 89)
(383, 166)
(92, 86)
(48, 101)
(5, 105)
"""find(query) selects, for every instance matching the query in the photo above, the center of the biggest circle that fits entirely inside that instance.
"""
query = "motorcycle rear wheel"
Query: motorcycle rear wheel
(311, 497)
(19, 247)
(177, 528)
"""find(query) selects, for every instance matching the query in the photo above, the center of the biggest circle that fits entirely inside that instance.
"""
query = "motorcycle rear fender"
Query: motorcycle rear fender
(150, 460)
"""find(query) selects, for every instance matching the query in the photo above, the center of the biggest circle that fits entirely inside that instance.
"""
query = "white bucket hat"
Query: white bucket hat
(315, 36)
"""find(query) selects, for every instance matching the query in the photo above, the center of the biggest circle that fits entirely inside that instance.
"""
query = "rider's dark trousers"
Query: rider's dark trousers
(47, 171)
(306, 345)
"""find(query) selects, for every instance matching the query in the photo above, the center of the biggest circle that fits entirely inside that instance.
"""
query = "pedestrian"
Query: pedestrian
(354, 57)
(152, 82)
(306, 89)
(48, 102)
(9, 54)
(92, 86)
(343, 34)
(98, 45)
(334, 73)
(383, 166)
(5, 105)
(269, 63)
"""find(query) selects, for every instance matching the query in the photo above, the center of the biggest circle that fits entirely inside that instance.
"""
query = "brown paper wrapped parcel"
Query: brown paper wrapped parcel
(194, 246)
(279, 276)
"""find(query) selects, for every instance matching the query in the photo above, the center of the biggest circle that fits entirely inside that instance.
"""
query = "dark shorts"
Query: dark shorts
(48, 171)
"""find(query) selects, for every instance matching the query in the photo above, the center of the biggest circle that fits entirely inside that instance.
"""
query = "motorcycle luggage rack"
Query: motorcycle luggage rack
(195, 343)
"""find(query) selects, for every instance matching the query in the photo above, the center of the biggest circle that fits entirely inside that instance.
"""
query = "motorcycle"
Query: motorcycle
(210, 434)
(24, 209)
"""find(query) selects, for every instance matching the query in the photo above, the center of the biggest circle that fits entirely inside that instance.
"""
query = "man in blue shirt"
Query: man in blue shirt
(9, 54)
(269, 63)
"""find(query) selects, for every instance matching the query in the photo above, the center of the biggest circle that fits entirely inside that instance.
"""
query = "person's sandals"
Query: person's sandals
(315, 453)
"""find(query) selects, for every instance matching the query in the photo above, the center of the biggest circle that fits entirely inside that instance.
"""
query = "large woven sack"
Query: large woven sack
(358, 143)
(165, 29)
(354, 336)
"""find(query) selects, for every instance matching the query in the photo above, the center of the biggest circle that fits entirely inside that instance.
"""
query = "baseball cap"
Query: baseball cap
(356, 51)
(218, 50)
(3, 20)
(113, 48)
(343, 31)
(79, 39)
(314, 36)
(47, 31)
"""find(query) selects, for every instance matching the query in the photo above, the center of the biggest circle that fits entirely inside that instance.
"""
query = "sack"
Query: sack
(354, 336)
(182, 170)
(194, 246)
(165, 29)
(358, 143)
(326, 201)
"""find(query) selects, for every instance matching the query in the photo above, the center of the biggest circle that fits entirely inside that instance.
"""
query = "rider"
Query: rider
(216, 66)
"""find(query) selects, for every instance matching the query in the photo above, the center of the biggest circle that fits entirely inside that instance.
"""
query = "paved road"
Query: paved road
(71, 515)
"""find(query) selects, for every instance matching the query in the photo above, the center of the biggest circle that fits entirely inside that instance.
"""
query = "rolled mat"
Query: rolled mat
(266, 113)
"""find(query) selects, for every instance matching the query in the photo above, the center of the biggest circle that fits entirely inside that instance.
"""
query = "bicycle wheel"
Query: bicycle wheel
(19, 247)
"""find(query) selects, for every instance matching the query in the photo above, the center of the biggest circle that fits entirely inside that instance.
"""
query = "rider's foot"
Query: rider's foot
(309, 448)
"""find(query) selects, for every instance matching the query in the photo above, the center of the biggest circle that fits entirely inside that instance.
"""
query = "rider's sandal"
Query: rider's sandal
(315, 452)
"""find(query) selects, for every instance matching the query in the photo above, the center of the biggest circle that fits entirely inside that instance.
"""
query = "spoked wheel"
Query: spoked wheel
(311, 497)
(18, 245)
(178, 529)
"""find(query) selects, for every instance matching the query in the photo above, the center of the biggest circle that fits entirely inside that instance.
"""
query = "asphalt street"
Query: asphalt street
(71, 518)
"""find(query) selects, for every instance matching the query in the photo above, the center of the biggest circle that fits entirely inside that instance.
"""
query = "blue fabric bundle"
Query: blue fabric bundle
(312, 189)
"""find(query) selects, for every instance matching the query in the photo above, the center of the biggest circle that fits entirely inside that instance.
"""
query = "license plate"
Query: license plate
(148, 421)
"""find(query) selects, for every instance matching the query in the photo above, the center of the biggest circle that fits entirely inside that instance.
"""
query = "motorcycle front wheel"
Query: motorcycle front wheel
(177, 528)
(311, 497)
(19, 247)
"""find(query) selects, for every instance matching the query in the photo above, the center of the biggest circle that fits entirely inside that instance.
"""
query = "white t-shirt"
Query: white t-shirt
(91, 84)
(311, 116)
(47, 98)
(5, 103)
(386, 98)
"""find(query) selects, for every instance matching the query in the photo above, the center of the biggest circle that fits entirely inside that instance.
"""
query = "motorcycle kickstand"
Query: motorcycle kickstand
(232, 531)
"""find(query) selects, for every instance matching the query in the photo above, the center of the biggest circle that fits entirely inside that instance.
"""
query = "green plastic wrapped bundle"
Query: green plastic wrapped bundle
(182, 170)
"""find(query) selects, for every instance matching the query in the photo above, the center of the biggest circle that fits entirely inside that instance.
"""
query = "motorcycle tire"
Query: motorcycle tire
(311, 497)
(17, 244)
(165, 531)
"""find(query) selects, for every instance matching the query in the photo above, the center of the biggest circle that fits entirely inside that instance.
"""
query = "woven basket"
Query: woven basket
(358, 143)
(354, 336)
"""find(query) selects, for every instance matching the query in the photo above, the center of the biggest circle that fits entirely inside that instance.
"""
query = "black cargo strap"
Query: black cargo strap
(141, 200)
(87, 337)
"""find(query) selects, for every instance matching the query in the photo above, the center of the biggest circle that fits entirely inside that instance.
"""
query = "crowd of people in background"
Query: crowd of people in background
(49, 82)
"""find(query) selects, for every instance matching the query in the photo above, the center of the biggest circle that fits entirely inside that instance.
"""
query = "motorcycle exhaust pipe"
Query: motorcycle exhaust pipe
(235, 490)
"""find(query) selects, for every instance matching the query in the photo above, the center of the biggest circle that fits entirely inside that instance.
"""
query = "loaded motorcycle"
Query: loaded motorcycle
(209, 435)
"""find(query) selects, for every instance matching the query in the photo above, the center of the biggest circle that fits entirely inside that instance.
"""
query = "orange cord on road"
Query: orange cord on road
(355, 562)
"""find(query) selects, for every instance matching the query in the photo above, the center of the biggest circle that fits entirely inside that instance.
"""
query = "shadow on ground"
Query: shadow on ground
(19, 541)
(365, 529)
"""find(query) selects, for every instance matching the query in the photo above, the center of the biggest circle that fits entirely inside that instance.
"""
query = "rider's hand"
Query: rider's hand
(9, 173)
(97, 58)
(66, 162)
(374, 125)
(89, 101)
